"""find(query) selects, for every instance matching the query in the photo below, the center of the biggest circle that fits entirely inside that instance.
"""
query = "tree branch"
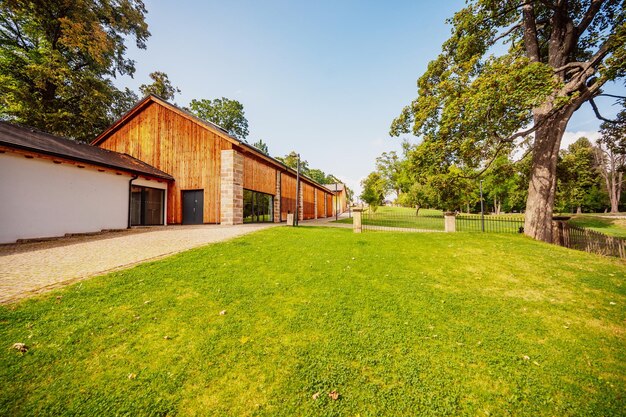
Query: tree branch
(530, 32)
(507, 33)
(597, 112)
(611, 95)
(593, 9)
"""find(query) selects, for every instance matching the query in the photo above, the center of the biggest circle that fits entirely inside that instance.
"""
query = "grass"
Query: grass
(609, 226)
(397, 324)
(405, 218)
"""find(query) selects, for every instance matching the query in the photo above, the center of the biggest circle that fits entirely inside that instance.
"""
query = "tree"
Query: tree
(577, 178)
(226, 113)
(291, 160)
(262, 146)
(320, 176)
(611, 157)
(373, 190)
(475, 105)
(57, 58)
(161, 86)
(389, 165)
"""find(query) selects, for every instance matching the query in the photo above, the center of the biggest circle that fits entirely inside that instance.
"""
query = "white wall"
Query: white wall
(39, 198)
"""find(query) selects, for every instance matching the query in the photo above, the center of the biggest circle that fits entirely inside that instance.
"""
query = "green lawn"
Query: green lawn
(405, 218)
(397, 324)
(608, 226)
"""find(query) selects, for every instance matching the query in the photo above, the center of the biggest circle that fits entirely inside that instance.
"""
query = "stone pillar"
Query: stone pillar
(231, 185)
(277, 199)
(449, 221)
(356, 220)
(315, 203)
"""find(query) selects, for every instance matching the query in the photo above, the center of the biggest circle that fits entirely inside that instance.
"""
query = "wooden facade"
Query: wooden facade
(189, 149)
(288, 195)
(258, 176)
(308, 201)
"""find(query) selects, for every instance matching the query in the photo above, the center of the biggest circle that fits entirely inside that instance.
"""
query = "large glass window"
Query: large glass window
(146, 206)
(257, 207)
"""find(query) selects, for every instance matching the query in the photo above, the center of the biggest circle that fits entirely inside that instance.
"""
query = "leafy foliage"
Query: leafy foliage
(262, 146)
(160, 86)
(57, 58)
(224, 112)
(480, 97)
(579, 186)
(374, 190)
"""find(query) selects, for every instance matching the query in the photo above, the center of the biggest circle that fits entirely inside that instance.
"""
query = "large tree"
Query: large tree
(57, 58)
(513, 70)
(225, 113)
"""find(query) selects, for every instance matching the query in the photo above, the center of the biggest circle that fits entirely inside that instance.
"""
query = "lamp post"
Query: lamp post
(482, 208)
(336, 201)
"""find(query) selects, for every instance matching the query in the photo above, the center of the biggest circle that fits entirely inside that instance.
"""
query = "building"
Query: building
(217, 178)
(52, 186)
(157, 165)
(340, 196)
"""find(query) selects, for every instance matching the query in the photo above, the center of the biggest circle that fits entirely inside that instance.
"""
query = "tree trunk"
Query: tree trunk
(579, 210)
(542, 187)
(417, 209)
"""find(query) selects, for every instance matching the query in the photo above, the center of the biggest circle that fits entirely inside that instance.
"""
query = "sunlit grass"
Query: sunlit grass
(396, 324)
(608, 226)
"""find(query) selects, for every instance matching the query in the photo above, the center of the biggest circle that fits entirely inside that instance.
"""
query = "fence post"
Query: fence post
(449, 221)
(356, 220)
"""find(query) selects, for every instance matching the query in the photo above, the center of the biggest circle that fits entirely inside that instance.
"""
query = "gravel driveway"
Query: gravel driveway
(27, 269)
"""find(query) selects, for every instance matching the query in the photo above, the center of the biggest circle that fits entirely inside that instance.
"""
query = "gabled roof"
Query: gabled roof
(30, 139)
(335, 186)
(146, 101)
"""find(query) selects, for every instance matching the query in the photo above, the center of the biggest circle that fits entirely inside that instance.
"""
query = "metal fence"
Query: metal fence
(587, 240)
(489, 223)
(406, 221)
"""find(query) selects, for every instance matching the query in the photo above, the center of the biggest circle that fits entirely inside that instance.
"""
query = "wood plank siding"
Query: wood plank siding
(320, 203)
(287, 196)
(330, 210)
(180, 147)
(308, 201)
(189, 149)
(258, 176)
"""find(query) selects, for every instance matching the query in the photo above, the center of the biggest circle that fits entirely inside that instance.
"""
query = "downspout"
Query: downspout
(130, 196)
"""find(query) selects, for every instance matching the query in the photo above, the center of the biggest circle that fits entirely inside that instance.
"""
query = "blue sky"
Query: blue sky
(324, 78)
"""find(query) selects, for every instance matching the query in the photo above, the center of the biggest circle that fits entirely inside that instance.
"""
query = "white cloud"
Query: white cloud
(571, 137)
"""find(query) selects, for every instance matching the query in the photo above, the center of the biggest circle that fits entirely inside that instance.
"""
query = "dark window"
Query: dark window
(257, 207)
(146, 206)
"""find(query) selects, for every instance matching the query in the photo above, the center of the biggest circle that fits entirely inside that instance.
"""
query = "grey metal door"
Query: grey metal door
(193, 204)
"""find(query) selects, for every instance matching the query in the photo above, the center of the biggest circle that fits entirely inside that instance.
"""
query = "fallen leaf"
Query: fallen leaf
(21, 347)
(334, 395)
(315, 396)
(166, 337)
(132, 376)
(223, 313)
(526, 357)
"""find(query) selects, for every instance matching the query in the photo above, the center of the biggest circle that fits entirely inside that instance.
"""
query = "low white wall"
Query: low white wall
(39, 198)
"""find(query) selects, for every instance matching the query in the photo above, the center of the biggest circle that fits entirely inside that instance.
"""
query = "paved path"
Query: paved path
(34, 268)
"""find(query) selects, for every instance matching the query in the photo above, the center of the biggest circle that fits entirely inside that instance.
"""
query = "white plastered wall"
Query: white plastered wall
(39, 198)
